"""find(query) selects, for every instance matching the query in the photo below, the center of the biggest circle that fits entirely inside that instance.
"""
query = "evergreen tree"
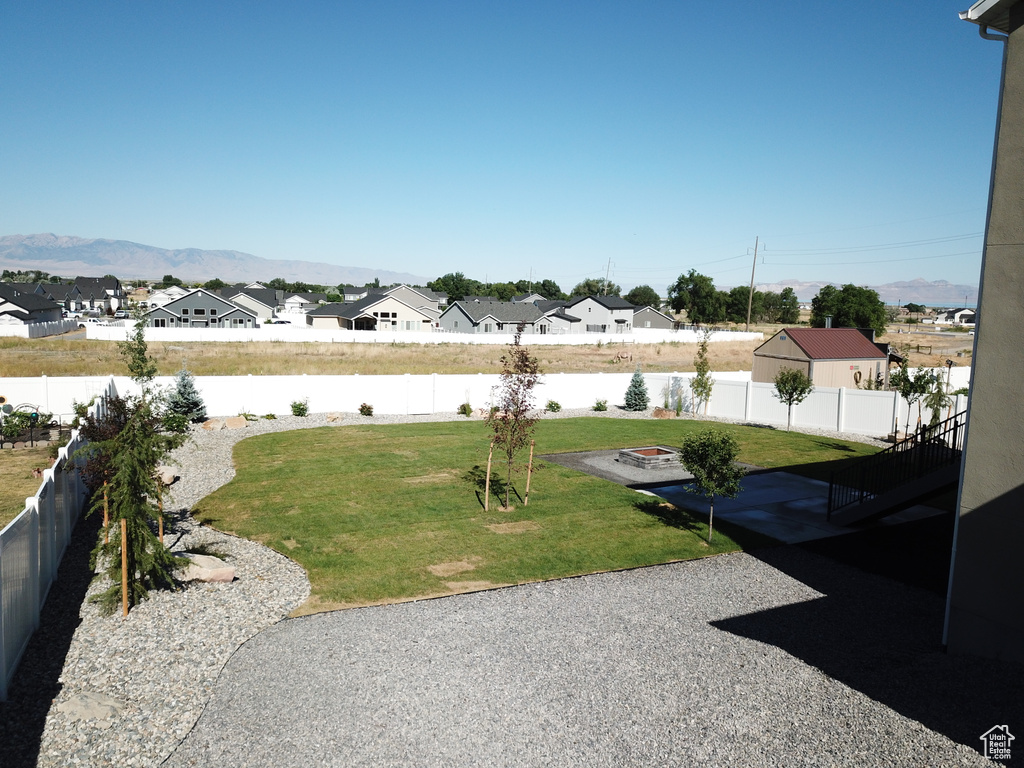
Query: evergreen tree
(185, 399)
(134, 455)
(637, 398)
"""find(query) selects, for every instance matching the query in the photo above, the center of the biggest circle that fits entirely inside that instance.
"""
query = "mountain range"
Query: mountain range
(72, 256)
(935, 293)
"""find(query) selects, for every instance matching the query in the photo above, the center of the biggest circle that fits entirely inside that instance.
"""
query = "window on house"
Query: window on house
(238, 321)
(376, 314)
(184, 311)
(213, 313)
(159, 322)
(501, 326)
(456, 324)
(199, 312)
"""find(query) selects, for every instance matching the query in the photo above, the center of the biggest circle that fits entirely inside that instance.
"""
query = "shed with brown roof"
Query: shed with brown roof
(830, 357)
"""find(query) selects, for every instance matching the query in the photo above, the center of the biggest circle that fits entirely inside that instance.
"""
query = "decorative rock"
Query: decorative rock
(235, 422)
(213, 424)
(334, 417)
(207, 568)
(92, 706)
(165, 475)
(663, 413)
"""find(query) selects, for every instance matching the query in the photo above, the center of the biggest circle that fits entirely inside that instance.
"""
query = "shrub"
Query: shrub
(601, 405)
(270, 416)
(366, 409)
(300, 407)
(637, 398)
(465, 409)
(553, 406)
(176, 423)
(247, 416)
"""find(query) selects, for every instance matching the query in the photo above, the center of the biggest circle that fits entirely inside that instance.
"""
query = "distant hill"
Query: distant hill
(71, 256)
(919, 291)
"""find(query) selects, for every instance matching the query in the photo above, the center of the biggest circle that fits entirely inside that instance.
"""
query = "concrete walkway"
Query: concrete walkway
(789, 508)
(780, 658)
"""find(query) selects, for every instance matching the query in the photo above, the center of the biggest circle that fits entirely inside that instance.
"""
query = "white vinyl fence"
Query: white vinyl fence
(31, 547)
(734, 396)
(38, 330)
(857, 411)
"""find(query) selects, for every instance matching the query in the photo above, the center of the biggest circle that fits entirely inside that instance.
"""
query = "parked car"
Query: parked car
(122, 314)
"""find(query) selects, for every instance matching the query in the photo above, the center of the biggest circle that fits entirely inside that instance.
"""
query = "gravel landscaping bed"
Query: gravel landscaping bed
(127, 691)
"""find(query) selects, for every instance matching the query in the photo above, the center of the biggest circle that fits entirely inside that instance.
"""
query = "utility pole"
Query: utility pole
(750, 297)
(607, 276)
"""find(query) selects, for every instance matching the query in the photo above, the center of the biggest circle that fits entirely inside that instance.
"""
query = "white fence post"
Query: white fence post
(748, 398)
(841, 410)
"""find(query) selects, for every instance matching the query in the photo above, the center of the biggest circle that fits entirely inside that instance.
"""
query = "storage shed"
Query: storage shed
(830, 357)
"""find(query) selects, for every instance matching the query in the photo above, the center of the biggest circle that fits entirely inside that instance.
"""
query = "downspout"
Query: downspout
(986, 35)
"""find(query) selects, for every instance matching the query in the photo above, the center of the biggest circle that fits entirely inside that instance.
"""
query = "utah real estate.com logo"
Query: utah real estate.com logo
(997, 742)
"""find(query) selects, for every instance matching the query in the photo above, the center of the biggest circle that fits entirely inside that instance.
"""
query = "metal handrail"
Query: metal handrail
(926, 450)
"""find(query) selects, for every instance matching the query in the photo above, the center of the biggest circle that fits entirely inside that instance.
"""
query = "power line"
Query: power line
(880, 246)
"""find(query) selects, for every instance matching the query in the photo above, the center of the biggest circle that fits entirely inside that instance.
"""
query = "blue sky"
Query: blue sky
(854, 139)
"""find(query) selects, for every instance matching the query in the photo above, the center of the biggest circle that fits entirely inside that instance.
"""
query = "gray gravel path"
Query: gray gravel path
(695, 663)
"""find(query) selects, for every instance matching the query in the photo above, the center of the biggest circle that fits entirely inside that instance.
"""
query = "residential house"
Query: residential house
(199, 308)
(101, 293)
(18, 307)
(301, 303)
(528, 298)
(353, 294)
(829, 357)
(371, 313)
(161, 296)
(648, 317)
(265, 303)
(602, 314)
(494, 317)
(67, 296)
(959, 316)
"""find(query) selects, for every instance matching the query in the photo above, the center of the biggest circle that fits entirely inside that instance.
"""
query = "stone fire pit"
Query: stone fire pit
(653, 457)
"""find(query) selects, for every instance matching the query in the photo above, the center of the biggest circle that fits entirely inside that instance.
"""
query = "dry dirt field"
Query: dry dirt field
(63, 356)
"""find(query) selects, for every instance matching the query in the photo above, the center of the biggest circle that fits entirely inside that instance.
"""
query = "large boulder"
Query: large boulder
(207, 568)
(663, 413)
(235, 422)
(166, 475)
(213, 424)
(334, 417)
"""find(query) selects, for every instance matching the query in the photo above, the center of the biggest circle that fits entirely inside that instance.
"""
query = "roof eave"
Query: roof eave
(994, 14)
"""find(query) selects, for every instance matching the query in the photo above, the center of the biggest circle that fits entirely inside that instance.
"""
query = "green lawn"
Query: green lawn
(383, 514)
(16, 481)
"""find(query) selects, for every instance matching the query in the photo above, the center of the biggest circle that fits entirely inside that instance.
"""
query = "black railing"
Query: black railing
(928, 449)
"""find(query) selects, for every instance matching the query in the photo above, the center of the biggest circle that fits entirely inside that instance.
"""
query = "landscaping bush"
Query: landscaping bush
(300, 407)
(601, 405)
(247, 416)
(553, 406)
(366, 409)
(465, 409)
(270, 416)
(176, 423)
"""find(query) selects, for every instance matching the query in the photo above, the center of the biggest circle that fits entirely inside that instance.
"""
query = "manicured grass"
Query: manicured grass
(16, 481)
(383, 514)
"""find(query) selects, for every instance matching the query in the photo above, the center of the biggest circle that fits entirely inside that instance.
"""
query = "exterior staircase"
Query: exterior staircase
(907, 473)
